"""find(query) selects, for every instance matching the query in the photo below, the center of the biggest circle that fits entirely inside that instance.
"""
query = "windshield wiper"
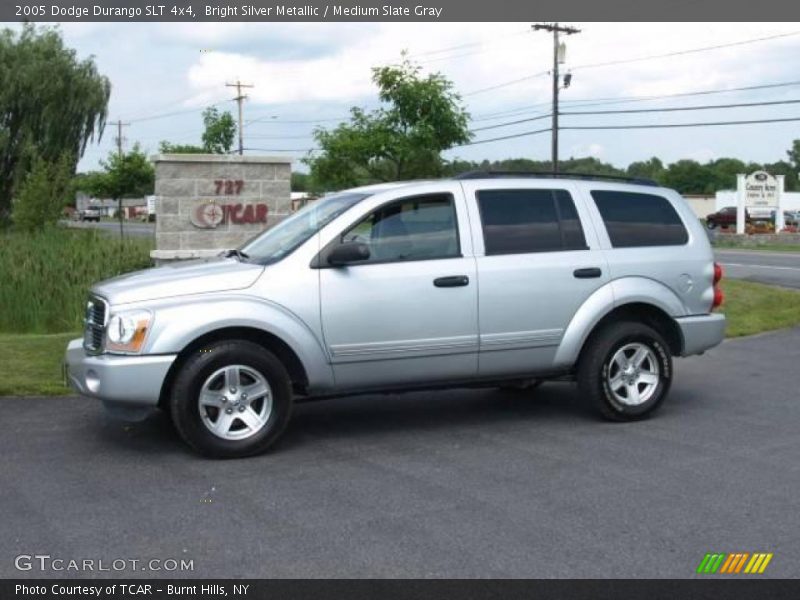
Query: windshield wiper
(238, 254)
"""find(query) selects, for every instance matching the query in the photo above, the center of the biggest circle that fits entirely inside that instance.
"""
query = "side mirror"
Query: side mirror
(350, 252)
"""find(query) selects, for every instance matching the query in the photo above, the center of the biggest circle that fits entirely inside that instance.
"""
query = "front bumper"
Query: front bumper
(133, 381)
(701, 332)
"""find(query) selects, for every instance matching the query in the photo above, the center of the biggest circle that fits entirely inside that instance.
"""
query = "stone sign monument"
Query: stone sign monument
(206, 203)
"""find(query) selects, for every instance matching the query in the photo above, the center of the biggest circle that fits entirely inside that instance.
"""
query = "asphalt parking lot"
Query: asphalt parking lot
(466, 483)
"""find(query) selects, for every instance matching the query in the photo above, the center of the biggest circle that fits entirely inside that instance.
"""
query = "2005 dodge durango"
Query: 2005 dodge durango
(486, 279)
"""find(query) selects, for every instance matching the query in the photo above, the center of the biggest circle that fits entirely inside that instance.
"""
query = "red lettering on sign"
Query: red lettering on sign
(228, 187)
(237, 214)
(248, 216)
(234, 213)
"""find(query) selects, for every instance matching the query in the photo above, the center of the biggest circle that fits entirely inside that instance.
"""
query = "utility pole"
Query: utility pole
(239, 99)
(556, 29)
(120, 140)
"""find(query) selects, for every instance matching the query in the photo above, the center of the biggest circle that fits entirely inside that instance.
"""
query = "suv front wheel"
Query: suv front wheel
(231, 399)
(625, 371)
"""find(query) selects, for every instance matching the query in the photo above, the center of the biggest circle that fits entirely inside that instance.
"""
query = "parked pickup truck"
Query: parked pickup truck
(89, 214)
(488, 279)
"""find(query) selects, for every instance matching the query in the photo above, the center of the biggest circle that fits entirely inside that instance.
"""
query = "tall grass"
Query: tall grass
(44, 277)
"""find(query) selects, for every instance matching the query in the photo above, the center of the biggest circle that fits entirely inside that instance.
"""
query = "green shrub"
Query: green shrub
(45, 276)
(41, 198)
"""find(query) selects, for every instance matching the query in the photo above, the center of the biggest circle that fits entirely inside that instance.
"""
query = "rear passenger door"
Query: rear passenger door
(538, 260)
(644, 236)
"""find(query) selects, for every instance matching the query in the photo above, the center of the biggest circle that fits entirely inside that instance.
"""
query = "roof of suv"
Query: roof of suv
(494, 175)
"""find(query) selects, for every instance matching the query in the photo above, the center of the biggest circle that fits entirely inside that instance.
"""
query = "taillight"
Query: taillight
(718, 295)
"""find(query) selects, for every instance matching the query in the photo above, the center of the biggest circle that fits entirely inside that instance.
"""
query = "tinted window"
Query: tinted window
(418, 228)
(634, 219)
(523, 221)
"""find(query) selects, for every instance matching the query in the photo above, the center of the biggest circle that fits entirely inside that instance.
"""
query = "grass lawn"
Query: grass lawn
(31, 364)
(754, 307)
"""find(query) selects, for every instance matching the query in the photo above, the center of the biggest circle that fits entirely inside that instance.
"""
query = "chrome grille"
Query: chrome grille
(94, 325)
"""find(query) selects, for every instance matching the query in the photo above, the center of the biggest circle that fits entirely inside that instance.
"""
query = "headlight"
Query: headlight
(126, 331)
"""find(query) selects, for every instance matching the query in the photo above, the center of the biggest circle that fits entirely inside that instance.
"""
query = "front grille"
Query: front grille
(95, 325)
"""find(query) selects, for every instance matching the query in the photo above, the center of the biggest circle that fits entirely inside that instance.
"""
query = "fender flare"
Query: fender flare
(177, 325)
(616, 293)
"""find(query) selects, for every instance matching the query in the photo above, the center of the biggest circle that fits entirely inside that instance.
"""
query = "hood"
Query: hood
(179, 279)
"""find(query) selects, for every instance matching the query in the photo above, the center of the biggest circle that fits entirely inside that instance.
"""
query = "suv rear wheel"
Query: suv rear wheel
(231, 399)
(625, 371)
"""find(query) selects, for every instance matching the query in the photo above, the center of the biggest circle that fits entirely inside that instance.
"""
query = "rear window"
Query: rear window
(634, 220)
(525, 221)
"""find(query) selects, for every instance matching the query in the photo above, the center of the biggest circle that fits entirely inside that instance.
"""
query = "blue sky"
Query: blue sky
(308, 75)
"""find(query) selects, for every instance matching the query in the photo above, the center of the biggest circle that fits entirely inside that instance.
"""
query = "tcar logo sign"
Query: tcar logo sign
(211, 215)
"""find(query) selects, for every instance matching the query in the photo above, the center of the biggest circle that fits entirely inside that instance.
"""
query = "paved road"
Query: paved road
(476, 483)
(775, 268)
(132, 228)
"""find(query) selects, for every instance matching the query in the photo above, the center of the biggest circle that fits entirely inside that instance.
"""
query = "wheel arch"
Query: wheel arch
(268, 341)
(647, 314)
(633, 298)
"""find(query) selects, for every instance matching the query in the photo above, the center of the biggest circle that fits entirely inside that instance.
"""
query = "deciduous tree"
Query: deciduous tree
(51, 105)
(420, 117)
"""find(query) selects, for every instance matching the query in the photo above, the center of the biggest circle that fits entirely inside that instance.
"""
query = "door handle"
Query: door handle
(454, 281)
(588, 273)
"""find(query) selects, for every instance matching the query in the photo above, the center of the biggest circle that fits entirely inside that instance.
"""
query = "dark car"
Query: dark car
(725, 217)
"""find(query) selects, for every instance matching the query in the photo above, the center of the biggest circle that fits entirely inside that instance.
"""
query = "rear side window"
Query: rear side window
(634, 220)
(525, 221)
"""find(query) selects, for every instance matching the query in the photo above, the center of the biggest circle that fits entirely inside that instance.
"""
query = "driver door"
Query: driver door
(407, 315)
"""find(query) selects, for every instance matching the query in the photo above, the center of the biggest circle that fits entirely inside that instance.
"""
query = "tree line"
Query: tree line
(52, 105)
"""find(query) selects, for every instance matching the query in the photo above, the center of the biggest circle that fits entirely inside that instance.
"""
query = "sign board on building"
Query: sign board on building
(761, 190)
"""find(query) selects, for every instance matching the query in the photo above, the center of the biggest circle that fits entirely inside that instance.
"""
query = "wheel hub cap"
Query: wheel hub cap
(633, 374)
(235, 402)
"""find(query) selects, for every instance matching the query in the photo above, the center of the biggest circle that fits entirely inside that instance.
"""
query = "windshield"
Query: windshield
(288, 235)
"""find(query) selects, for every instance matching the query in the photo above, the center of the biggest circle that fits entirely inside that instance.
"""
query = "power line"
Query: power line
(626, 99)
(678, 108)
(684, 52)
(505, 137)
(178, 112)
(587, 102)
(643, 58)
(648, 126)
(675, 125)
(547, 116)
(505, 84)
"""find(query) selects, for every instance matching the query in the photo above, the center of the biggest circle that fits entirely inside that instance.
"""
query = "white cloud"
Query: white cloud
(592, 150)
(307, 66)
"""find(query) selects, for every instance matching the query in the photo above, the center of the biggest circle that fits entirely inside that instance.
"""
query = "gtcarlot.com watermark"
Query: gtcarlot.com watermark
(48, 563)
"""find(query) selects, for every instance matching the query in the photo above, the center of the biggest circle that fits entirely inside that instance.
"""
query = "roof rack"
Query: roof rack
(551, 175)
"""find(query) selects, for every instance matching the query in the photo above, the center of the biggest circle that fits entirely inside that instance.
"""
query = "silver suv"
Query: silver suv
(486, 279)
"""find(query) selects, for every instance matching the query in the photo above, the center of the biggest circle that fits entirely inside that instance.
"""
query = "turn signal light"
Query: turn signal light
(717, 273)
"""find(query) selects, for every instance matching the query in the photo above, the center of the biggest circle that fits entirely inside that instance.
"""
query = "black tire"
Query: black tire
(198, 368)
(595, 368)
(710, 224)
